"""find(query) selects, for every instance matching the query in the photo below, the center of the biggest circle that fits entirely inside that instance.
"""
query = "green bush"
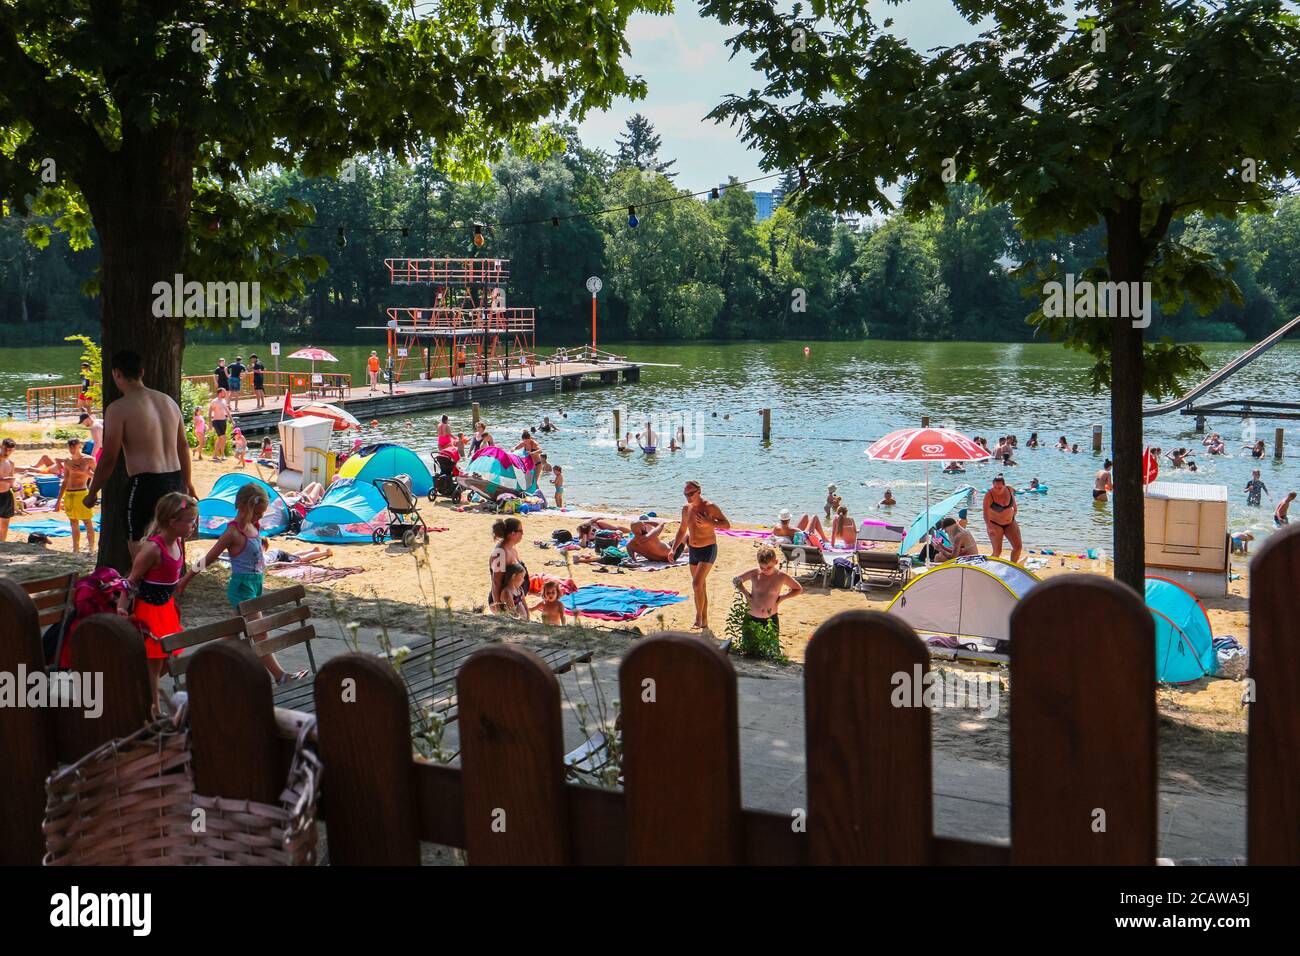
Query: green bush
(193, 395)
(90, 352)
(749, 638)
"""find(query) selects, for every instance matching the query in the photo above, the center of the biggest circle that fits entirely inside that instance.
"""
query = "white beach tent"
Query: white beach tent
(968, 598)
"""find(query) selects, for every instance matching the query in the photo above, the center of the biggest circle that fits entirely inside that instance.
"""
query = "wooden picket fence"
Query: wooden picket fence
(1082, 733)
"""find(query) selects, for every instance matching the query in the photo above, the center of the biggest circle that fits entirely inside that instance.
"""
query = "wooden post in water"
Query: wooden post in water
(925, 421)
(1277, 444)
(474, 408)
(618, 425)
(1096, 438)
(767, 424)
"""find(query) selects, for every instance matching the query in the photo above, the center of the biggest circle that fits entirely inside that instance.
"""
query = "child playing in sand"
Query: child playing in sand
(557, 478)
(200, 433)
(243, 540)
(155, 580)
(550, 606)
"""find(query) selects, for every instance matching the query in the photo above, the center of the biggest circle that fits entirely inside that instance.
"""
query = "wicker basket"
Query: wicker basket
(131, 802)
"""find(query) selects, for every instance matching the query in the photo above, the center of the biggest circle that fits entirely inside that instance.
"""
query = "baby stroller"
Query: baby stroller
(444, 479)
(404, 519)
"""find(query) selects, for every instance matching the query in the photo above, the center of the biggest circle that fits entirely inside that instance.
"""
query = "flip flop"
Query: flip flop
(287, 677)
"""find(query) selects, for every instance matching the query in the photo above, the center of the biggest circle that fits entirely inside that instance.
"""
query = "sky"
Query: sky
(685, 62)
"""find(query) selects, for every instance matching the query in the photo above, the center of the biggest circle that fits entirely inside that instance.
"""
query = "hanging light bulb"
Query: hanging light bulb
(343, 239)
(713, 193)
(406, 233)
(803, 178)
(631, 217)
(478, 234)
(555, 220)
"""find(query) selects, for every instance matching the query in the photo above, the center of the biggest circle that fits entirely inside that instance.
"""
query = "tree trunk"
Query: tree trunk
(140, 204)
(1126, 260)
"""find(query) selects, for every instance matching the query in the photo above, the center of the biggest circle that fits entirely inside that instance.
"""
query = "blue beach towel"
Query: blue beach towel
(50, 527)
(613, 603)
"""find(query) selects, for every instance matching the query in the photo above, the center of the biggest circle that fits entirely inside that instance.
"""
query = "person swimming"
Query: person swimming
(888, 501)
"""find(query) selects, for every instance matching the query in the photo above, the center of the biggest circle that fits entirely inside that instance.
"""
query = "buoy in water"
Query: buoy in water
(806, 351)
(374, 423)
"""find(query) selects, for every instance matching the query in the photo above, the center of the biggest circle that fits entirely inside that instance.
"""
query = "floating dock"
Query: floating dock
(417, 396)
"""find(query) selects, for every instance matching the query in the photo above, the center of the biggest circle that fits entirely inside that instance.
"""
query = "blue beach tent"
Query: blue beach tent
(350, 513)
(218, 508)
(1184, 641)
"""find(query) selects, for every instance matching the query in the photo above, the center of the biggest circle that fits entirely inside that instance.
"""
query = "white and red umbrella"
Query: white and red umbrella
(342, 420)
(926, 445)
(313, 355)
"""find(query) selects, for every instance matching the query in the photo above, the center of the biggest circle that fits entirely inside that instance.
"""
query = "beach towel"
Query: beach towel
(641, 564)
(733, 533)
(52, 527)
(536, 581)
(310, 573)
(610, 603)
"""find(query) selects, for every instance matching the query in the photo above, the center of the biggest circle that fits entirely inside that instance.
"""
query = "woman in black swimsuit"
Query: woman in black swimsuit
(1000, 518)
(501, 598)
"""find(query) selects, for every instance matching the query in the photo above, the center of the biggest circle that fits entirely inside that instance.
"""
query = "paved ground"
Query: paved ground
(971, 795)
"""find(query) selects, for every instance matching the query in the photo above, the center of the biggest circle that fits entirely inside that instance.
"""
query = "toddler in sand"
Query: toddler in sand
(550, 606)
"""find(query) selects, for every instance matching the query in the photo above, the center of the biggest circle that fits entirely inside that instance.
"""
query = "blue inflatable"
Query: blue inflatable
(350, 513)
(218, 508)
(1184, 641)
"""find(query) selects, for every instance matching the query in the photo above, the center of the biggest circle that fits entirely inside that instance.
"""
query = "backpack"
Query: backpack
(844, 574)
(96, 593)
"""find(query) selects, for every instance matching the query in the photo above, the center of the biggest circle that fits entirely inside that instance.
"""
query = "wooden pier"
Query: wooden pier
(406, 398)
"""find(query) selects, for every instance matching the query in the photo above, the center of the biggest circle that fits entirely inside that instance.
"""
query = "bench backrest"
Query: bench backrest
(231, 629)
(283, 622)
(52, 597)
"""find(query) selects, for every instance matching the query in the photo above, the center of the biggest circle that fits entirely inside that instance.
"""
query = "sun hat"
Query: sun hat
(785, 514)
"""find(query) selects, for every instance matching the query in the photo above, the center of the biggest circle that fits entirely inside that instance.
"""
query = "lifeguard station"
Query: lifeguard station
(468, 333)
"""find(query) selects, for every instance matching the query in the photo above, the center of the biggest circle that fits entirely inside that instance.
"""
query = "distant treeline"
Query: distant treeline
(690, 269)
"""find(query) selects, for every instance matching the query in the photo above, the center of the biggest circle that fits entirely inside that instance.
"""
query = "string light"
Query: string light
(343, 239)
(803, 178)
(478, 234)
(713, 193)
(631, 217)
(555, 220)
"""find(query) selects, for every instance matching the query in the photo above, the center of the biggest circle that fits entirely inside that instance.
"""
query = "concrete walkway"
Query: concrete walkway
(972, 796)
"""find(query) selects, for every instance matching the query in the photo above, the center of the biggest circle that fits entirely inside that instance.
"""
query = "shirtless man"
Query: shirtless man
(1101, 482)
(701, 520)
(145, 427)
(1280, 513)
(963, 543)
(77, 469)
(645, 540)
(219, 416)
(810, 526)
(96, 428)
(768, 587)
(7, 504)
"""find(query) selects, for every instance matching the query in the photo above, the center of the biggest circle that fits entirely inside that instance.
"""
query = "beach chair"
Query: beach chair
(52, 597)
(805, 559)
(404, 519)
(895, 568)
(231, 629)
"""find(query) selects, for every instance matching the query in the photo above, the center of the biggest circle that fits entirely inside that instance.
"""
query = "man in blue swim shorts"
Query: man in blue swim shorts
(701, 520)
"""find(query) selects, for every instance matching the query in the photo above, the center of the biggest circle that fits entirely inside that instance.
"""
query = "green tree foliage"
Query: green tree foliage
(639, 148)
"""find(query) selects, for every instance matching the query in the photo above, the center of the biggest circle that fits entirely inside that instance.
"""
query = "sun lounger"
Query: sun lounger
(895, 568)
(805, 559)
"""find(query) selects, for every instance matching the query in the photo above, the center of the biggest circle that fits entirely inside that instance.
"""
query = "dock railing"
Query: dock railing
(1082, 728)
(53, 401)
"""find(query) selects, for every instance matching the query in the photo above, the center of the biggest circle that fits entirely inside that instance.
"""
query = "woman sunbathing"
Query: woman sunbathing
(808, 530)
(844, 533)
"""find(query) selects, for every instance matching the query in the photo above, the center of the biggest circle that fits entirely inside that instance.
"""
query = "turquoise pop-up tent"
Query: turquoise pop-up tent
(389, 461)
(350, 513)
(1184, 641)
(218, 508)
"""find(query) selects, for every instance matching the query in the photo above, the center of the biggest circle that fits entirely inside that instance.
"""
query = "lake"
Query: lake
(826, 408)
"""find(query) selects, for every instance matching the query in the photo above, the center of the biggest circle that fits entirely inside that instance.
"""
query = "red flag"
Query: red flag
(288, 405)
(1150, 467)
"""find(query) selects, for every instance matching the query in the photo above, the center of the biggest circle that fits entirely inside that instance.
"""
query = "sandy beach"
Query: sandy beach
(457, 578)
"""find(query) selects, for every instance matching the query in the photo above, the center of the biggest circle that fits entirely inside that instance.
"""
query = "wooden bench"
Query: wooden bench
(275, 621)
(52, 597)
(231, 629)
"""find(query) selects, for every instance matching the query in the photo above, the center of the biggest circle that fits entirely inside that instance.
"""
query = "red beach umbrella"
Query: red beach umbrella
(926, 445)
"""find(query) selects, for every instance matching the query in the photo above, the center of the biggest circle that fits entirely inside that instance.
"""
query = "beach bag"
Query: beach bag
(96, 593)
(612, 555)
(131, 802)
(561, 536)
(1230, 659)
(844, 574)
